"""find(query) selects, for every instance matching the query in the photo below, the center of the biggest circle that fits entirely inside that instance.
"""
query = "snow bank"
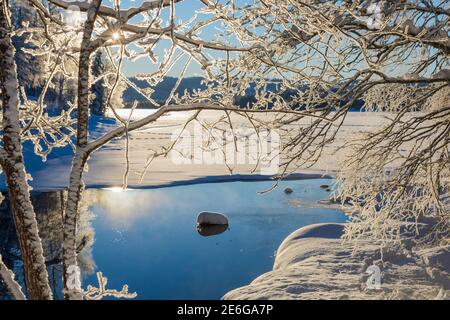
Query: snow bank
(314, 263)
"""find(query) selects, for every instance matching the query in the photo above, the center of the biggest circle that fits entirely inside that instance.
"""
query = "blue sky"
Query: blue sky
(183, 11)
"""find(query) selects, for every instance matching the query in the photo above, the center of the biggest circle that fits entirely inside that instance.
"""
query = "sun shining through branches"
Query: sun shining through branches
(297, 68)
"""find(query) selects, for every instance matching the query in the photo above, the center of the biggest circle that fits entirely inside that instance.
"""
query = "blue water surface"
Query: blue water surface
(148, 239)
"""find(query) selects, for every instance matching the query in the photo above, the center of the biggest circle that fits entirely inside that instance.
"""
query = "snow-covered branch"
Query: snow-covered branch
(134, 125)
(122, 15)
(294, 60)
(93, 293)
(7, 276)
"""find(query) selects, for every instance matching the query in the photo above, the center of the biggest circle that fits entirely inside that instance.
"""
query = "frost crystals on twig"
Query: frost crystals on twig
(99, 293)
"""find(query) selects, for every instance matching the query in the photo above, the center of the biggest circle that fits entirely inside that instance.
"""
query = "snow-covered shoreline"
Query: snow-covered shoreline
(314, 263)
(177, 183)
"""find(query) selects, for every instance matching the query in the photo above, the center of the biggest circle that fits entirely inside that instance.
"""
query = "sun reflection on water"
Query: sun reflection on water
(122, 207)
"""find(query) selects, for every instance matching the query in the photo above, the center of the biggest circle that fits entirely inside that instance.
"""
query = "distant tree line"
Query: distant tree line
(33, 69)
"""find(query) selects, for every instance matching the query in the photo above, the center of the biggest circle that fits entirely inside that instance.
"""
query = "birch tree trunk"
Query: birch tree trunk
(76, 182)
(13, 165)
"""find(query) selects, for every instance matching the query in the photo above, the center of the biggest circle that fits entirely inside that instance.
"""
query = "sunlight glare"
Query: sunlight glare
(115, 36)
(116, 189)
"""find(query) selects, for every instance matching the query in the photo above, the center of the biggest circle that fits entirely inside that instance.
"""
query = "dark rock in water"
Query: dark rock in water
(325, 186)
(288, 190)
(211, 230)
(211, 218)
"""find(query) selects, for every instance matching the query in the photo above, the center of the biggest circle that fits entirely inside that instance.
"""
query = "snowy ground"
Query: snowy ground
(107, 165)
(313, 263)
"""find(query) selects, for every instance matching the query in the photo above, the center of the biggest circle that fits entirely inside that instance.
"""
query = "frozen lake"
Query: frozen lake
(147, 238)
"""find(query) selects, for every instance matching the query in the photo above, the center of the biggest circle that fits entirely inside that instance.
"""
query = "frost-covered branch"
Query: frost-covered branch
(123, 15)
(93, 293)
(7, 276)
(291, 60)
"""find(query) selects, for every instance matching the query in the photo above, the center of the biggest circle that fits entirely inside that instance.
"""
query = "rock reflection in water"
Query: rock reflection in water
(211, 230)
